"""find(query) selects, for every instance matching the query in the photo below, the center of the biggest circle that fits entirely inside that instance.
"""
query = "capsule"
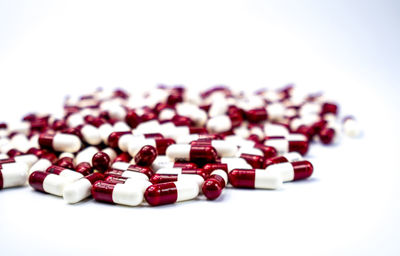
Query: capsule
(291, 171)
(213, 185)
(85, 155)
(101, 161)
(125, 194)
(133, 170)
(287, 157)
(294, 143)
(67, 174)
(46, 160)
(47, 182)
(235, 163)
(13, 175)
(80, 189)
(351, 127)
(163, 178)
(65, 162)
(209, 168)
(161, 145)
(90, 134)
(146, 156)
(255, 178)
(182, 170)
(192, 153)
(84, 168)
(28, 159)
(222, 123)
(328, 135)
(60, 142)
(171, 192)
(256, 161)
(223, 148)
(122, 139)
(165, 162)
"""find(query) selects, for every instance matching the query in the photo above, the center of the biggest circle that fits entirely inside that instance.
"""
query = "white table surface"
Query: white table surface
(348, 49)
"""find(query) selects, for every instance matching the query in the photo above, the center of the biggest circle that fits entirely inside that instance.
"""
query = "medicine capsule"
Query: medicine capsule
(192, 153)
(28, 159)
(84, 168)
(122, 140)
(292, 170)
(125, 194)
(351, 127)
(163, 178)
(165, 162)
(46, 160)
(85, 155)
(287, 157)
(235, 163)
(60, 142)
(67, 174)
(255, 178)
(47, 182)
(146, 156)
(296, 143)
(13, 175)
(90, 134)
(182, 170)
(80, 189)
(256, 161)
(223, 148)
(101, 161)
(171, 192)
(134, 169)
(222, 123)
(209, 168)
(213, 185)
(65, 162)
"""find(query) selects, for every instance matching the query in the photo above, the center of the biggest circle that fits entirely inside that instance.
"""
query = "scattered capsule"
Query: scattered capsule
(171, 192)
(297, 143)
(125, 194)
(146, 156)
(255, 178)
(67, 174)
(60, 142)
(214, 184)
(80, 189)
(192, 153)
(47, 182)
(13, 174)
(291, 171)
(287, 157)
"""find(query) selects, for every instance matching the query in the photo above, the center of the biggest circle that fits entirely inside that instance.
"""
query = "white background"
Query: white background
(348, 49)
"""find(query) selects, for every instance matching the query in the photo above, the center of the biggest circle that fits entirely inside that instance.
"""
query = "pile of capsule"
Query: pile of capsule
(170, 144)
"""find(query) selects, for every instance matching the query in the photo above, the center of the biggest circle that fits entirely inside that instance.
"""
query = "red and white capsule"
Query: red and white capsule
(80, 189)
(67, 174)
(165, 162)
(60, 142)
(287, 157)
(255, 178)
(161, 144)
(130, 170)
(13, 174)
(292, 143)
(223, 148)
(171, 192)
(291, 171)
(192, 153)
(47, 182)
(125, 194)
(214, 184)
